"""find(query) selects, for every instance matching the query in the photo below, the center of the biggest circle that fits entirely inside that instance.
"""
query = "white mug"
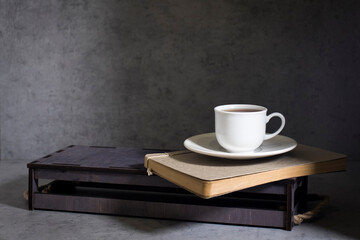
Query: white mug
(242, 127)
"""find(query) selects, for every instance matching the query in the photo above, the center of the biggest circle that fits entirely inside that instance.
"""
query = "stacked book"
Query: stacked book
(209, 177)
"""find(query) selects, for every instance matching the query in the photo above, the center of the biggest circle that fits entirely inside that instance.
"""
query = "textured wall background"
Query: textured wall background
(148, 73)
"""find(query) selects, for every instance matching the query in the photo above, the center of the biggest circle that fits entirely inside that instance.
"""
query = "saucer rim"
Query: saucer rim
(240, 155)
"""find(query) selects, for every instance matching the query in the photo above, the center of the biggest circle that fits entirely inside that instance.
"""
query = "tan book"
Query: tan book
(209, 177)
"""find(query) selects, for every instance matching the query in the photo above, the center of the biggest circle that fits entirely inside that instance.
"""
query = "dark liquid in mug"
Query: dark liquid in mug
(242, 110)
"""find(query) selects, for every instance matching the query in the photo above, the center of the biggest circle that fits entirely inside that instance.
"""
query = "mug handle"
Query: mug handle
(276, 114)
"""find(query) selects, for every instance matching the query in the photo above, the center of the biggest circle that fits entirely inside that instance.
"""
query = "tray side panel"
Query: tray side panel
(241, 216)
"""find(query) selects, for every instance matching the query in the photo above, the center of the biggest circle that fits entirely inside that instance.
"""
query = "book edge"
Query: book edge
(335, 165)
(209, 189)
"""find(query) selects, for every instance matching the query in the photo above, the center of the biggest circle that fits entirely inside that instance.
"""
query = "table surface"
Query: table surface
(339, 220)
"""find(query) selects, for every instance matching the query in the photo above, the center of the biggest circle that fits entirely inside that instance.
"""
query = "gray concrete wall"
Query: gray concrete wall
(148, 73)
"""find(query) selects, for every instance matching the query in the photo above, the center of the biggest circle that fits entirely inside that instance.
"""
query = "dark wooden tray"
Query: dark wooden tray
(109, 180)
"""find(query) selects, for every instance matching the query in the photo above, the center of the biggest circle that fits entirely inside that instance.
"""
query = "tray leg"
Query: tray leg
(33, 187)
(290, 202)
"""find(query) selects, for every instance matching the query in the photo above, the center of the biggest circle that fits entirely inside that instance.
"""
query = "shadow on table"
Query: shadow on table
(12, 192)
(339, 221)
(341, 215)
(151, 225)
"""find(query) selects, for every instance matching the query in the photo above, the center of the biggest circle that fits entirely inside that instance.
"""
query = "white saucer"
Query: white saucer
(207, 144)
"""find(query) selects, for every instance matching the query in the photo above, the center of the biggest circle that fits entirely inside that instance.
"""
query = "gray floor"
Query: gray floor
(339, 220)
